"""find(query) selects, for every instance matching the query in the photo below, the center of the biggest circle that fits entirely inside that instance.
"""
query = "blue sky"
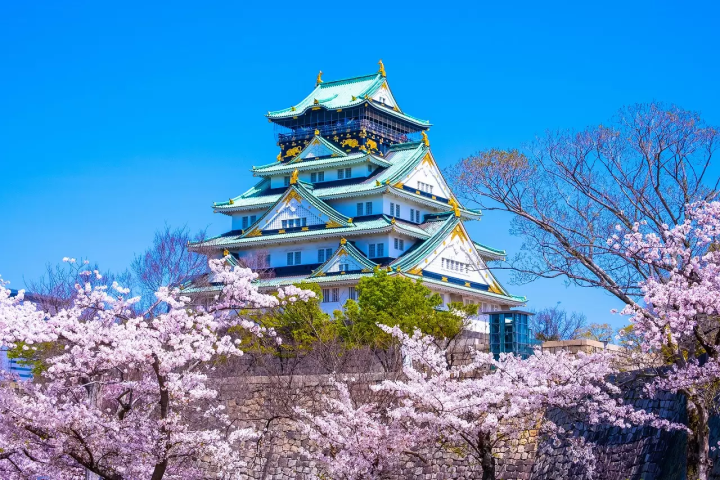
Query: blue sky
(118, 118)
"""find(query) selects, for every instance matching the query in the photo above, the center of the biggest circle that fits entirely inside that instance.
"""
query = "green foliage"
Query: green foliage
(32, 355)
(397, 300)
(300, 325)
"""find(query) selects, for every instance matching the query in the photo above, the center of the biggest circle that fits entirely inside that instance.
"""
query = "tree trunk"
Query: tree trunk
(698, 455)
(487, 461)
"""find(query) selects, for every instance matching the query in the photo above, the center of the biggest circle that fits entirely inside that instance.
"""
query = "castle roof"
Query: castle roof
(349, 92)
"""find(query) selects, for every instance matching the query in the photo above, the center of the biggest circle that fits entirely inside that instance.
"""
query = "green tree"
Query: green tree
(303, 328)
(397, 300)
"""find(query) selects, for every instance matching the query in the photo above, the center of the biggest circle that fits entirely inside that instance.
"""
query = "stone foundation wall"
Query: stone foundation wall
(639, 453)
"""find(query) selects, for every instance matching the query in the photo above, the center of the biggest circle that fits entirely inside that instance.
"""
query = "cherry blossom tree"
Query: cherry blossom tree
(126, 396)
(680, 314)
(469, 409)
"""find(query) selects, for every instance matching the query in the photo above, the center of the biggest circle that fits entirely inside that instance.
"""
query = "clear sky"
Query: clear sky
(116, 118)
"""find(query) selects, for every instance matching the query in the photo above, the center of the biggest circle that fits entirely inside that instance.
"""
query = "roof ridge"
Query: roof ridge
(349, 79)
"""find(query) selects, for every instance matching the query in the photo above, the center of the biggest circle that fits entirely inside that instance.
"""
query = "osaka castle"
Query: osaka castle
(355, 187)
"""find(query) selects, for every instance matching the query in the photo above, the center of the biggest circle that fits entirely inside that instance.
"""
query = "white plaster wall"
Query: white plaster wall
(428, 173)
(348, 206)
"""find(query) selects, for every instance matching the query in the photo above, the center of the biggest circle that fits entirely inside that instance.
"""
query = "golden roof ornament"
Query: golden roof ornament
(319, 79)
(316, 101)
(294, 177)
(343, 241)
(226, 252)
(317, 132)
(232, 202)
(382, 68)
(425, 140)
(279, 157)
(455, 206)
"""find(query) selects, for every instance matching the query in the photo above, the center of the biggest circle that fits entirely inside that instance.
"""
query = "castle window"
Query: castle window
(294, 258)
(253, 218)
(376, 250)
(414, 215)
(344, 173)
(368, 208)
(425, 187)
(352, 293)
(286, 181)
(317, 177)
(395, 209)
(343, 267)
(399, 244)
(455, 266)
(324, 254)
(331, 295)
(360, 210)
(371, 168)
(244, 222)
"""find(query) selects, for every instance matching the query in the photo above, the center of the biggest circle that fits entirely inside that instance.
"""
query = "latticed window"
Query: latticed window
(352, 293)
(317, 177)
(399, 244)
(425, 187)
(360, 209)
(294, 258)
(343, 267)
(286, 181)
(368, 208)
(344, 173)
(324, 254)
(331, 295)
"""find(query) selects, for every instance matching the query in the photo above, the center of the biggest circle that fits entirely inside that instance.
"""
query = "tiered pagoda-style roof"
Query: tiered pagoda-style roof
(348, 143)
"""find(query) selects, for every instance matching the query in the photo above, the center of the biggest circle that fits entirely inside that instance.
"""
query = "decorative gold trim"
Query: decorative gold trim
(318, 81)
(255, 233)
(317, 132)
(226, 252)
(416, 271)
(458, 232)
(342, 273)
(350, 142)
(316, 101)
(332, 224)
(393, 221)
(232, 202)
(377, 183)
(281, 231)
(292, 195)
(444, 279)
(366, 270)
(382, 68)
(417, 192)
(320, 274)
(399, 185)
(350, 220)
(294, 177)
(434, 197)
(292, 109)
(455, 206)
(425, 140)
(316, 108)
(305, 229)
(293, 151)
(427, 159)
(343, 241)
(339, 110)
(353, 97)
(279, 157)
(467, 284)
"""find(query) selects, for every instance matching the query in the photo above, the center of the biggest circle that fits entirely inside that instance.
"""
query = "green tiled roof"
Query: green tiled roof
(489, 252)
(508, 298)
(377, 225)
(414, 256)
(282, 281)
(399, 158)
(300, 190)
(345, 93)
(326, 143)
(350, 250)
(350, 159)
